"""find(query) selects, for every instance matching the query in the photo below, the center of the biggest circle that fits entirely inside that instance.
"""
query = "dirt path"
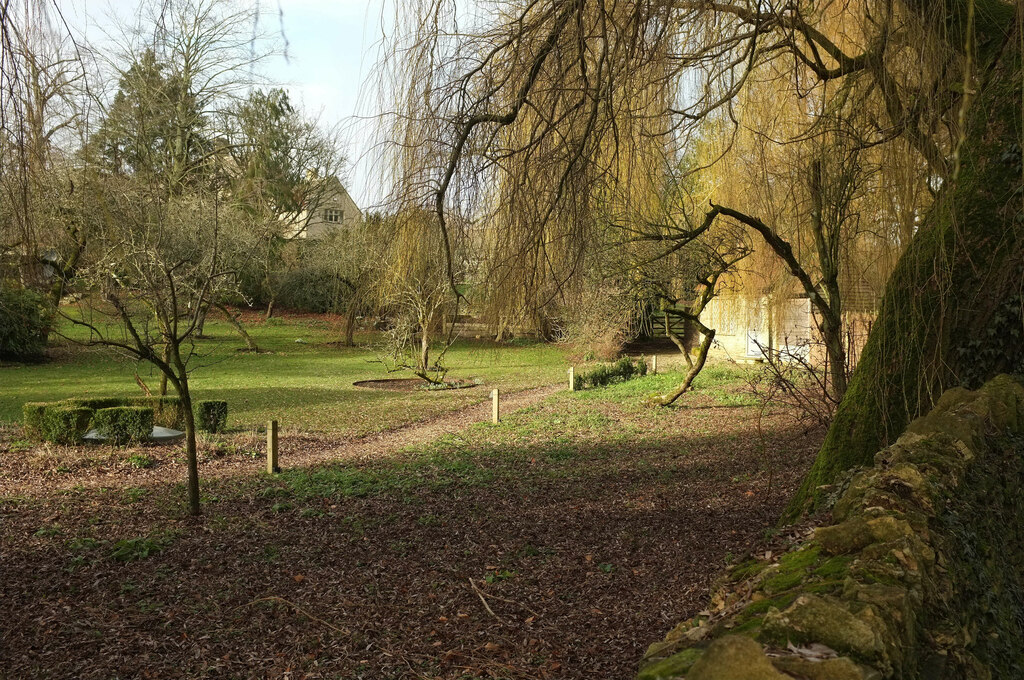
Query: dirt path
(294, 454)
(56, 469)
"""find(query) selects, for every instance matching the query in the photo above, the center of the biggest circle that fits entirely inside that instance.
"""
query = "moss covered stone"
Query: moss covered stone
(860, 532)
(672, 667)
(792, 570)
(747, 569)
(734, 657)
(920, 576)
(824, 620)
(823, 669)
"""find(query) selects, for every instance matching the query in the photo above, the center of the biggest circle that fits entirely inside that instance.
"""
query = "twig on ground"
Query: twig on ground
(505, 599)
(481, 596)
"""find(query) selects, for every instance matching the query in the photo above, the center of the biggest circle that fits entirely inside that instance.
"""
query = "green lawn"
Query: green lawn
(302, 380)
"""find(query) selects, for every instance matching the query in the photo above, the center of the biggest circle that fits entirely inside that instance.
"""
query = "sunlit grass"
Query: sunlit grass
(569, 435)
(300, 378)
(722, 381)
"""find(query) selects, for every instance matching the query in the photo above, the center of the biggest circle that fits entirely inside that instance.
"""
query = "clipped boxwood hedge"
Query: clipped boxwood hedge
(212, 415)
(167, 411)
(66, 424)
(95, 403)
(32, 414)
(124, 424)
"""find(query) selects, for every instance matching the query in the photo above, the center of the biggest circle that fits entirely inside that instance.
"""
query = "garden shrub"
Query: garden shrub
(95, 403)
(624, 368)
(317, 289)
(212, 415)
(167, 411)
(32, 413)
(598, 376)
(124, 424)
(24, 319)
(66, 424)
(605, 374)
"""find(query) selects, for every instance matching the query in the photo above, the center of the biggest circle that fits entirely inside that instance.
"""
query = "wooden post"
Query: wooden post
(654, 364)
(272, 460)
(495, 413)
(572, 378)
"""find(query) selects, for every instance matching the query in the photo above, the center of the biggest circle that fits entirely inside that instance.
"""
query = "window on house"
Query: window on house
(334, 215)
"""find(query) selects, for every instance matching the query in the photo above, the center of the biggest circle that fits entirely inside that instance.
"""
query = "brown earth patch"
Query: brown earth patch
(413, 384)
(534, 555)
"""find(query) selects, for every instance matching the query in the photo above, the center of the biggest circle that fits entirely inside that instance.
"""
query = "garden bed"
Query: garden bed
(413, 384)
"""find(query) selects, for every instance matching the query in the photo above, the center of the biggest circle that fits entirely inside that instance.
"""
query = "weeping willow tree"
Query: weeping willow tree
(531, 99)
(493, 131)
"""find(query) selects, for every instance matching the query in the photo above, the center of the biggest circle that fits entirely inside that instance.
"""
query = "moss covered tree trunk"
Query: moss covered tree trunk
(951, 313)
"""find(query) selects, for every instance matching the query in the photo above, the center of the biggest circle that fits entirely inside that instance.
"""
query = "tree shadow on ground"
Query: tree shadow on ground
(560, 557)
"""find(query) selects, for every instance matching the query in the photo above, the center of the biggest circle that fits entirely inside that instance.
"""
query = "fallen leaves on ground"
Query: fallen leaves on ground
(595, 553)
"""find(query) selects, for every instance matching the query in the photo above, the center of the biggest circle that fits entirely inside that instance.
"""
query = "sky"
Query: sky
(330, 51)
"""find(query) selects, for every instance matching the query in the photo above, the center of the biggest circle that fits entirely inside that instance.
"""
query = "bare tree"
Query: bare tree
(411, 286)
(44, 79)
(711, 257)
(157, 261)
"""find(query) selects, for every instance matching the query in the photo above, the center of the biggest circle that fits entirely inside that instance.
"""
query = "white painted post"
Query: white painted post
(572, 379)
(654, 364)
(272, 451)
(495, 414)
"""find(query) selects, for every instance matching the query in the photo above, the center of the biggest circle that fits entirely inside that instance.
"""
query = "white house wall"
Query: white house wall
(742, 326)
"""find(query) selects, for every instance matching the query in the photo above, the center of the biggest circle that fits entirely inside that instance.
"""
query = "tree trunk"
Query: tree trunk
(250, 344)
(832, 335)
(695, 366)
(676, 340)
(163, 376)
(424, 351)
(350, 325)
(190, 446)
(180, 380)
(270, 309)
(951, 314)
(202, 322)
(65, 273)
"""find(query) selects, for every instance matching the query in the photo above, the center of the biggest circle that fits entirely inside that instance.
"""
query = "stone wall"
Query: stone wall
(919, 575)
